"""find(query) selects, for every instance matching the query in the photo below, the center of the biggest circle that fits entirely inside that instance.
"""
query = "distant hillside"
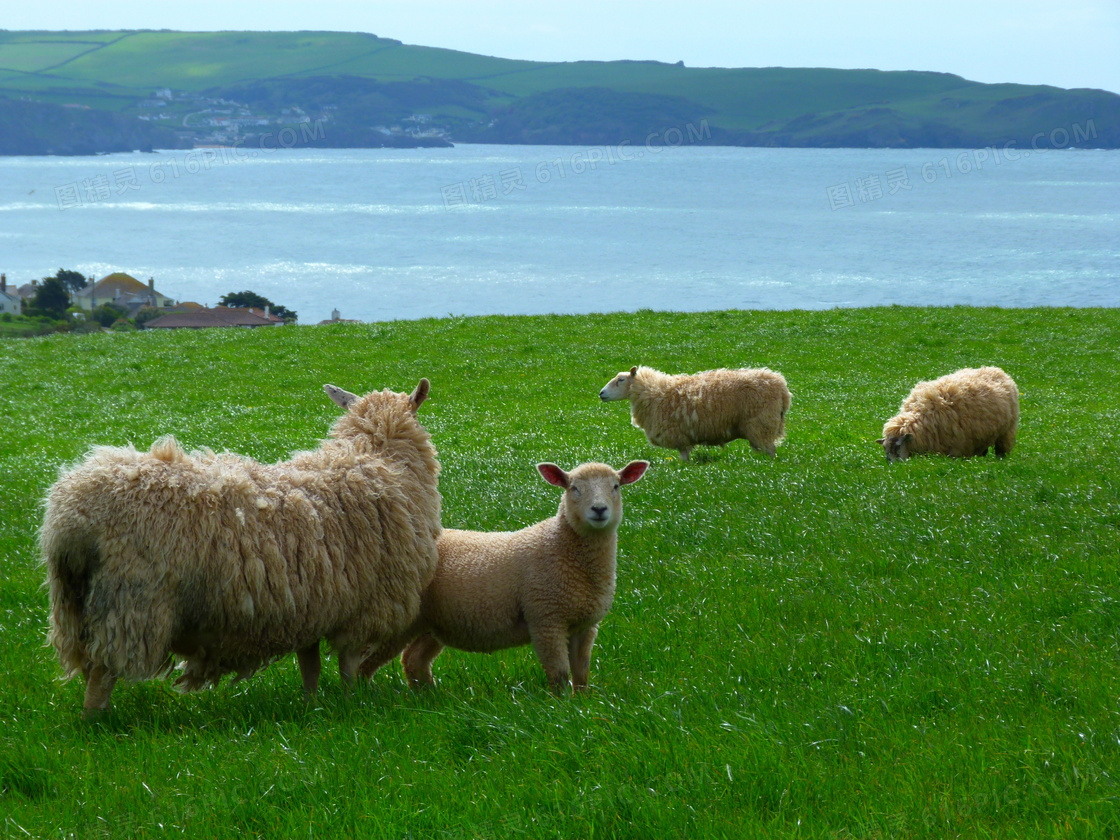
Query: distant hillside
(355, 89)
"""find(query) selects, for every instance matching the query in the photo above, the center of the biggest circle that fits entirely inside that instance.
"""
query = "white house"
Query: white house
(10, 304)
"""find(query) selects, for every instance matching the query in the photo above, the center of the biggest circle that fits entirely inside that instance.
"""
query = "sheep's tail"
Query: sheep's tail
(71, 560)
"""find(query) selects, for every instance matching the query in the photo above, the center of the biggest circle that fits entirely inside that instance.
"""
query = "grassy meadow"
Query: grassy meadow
(820, 646)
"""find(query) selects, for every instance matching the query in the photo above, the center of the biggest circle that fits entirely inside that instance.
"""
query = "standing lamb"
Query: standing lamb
(960, 415)
(228, 563)
(549, 584)
(709, 408)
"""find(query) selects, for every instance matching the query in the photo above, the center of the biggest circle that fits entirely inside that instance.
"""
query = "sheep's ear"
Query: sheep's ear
(554, 475)
(341, 398)
(634, 370)
(881, 441)
(632, 472)
(420, 394)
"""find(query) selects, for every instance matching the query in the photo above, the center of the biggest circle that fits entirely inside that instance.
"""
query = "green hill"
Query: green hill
(358, 88)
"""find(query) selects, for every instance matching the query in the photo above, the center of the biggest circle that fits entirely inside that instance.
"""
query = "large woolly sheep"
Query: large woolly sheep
(712, 408)
(961, 414)
(227, 563)
(549, 584)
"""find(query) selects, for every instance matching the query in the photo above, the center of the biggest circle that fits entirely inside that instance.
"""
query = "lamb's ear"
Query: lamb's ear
(420, 394)
(632, 472)
(554, 475)
(341, 398)
(633, 370)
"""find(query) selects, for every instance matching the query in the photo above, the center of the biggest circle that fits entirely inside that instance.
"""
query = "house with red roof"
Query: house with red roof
(219, 316)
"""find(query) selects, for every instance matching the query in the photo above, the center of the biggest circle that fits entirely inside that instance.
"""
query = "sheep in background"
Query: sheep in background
(709, 408)
(960, 415)
(228, 563)
(549, 584)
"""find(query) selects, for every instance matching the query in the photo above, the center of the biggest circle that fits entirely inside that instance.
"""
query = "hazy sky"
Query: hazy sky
(1067, 43)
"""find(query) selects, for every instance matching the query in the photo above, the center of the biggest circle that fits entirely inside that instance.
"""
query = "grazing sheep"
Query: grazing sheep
(710, 408)
(960, 415)
(549, 584)
(228, 563)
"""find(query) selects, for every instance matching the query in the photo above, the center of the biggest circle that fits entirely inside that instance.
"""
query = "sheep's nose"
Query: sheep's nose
(600, 511)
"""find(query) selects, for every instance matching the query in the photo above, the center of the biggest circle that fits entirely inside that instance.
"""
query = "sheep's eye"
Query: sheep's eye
(616, 486)
(575, 490)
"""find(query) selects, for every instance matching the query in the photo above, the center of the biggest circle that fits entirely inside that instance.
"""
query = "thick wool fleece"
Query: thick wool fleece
(961, 414)
(228, 563)
(710, 408)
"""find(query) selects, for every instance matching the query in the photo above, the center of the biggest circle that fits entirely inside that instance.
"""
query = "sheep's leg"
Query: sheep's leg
(417, 660)
(348, 663)
(684, 452)
(310, 667)
(379, 656)
(755, 440)
(579, 654)
(551, 647)
(99, 687)
(1004, 444)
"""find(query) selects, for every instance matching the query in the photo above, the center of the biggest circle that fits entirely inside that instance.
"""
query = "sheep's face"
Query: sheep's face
(619, 387)
(897, 447)
(592, 493)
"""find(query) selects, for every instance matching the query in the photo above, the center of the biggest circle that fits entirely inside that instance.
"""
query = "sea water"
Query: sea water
(390, 234)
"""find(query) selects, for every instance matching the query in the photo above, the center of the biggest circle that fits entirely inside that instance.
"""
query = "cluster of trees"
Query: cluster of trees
(52, 294)
(251, 300)
(52, 301)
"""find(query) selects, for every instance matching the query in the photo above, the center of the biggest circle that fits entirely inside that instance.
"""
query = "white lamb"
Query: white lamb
(710, 408)
(228, 563)
(961, 414)
(549, 584)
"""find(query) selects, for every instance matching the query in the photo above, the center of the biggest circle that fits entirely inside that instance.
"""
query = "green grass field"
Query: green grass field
(818, 646)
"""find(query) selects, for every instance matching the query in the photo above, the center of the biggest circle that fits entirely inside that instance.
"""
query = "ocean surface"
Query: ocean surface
(392, 234)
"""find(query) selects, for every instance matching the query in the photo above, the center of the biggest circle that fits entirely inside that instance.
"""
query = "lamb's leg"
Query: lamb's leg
(99, 688)
(579, 654)
(551, 646)
(309, 668)
(417, 660)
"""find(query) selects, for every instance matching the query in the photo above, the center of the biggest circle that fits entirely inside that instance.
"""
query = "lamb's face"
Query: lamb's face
(594, 502)
(896, 447)
(618, 388)
(593, 493)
